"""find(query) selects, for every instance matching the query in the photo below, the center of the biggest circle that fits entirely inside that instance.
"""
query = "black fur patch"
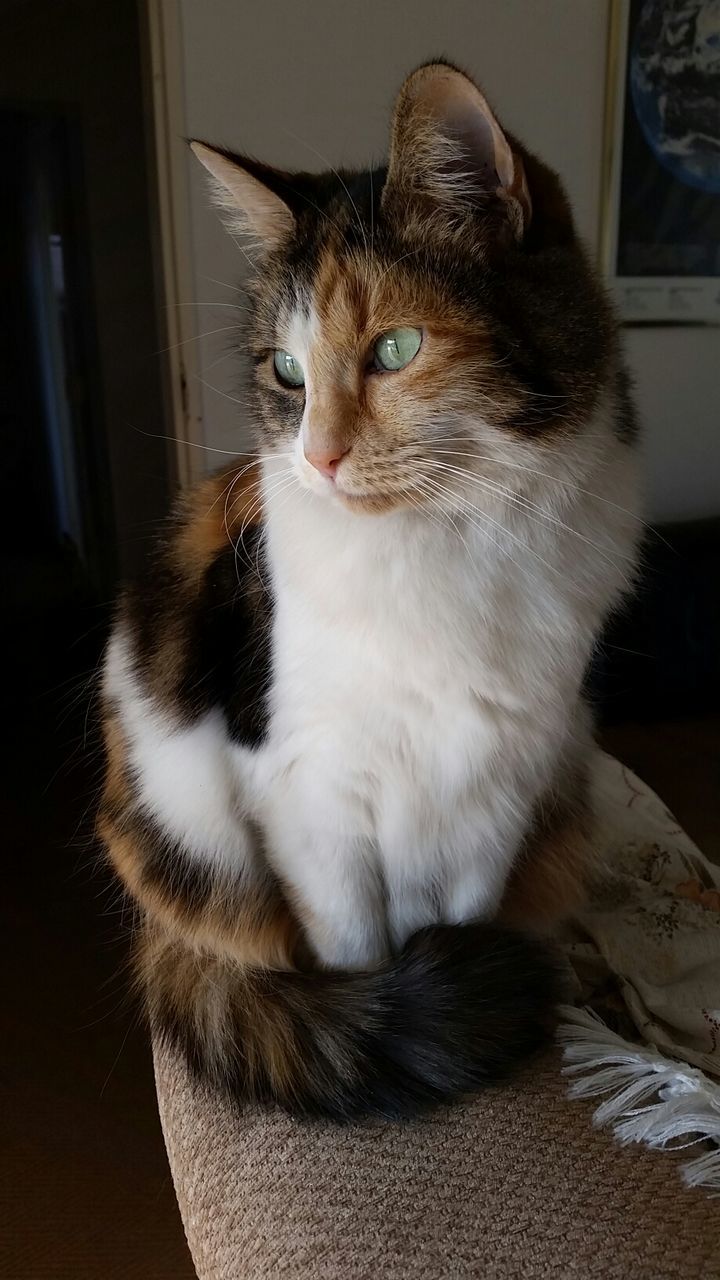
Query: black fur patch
(626, 418)
(209, 648)
(167, 868)
(229, 654)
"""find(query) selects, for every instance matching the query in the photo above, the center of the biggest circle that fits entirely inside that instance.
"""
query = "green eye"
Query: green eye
(397, 348)
(288, 369)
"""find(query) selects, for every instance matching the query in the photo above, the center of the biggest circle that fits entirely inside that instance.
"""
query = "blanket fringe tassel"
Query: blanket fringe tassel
(652, 1099)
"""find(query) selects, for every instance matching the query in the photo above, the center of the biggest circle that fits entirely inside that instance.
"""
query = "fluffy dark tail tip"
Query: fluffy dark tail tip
(458, 1009)
(465, 1006)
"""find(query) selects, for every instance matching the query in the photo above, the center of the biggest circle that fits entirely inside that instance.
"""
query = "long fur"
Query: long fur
(346, 736)
(458, 1008)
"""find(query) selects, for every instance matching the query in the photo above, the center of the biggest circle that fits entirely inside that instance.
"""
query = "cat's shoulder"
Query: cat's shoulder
(217, 515)
(195, 626)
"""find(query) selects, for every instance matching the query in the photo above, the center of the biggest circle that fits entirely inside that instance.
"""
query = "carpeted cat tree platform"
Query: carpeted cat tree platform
(516, 1183)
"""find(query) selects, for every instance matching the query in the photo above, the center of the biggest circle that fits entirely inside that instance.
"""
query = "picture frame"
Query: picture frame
(660, 245)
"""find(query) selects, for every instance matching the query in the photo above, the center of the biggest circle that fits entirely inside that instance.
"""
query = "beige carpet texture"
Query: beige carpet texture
(515, 1185)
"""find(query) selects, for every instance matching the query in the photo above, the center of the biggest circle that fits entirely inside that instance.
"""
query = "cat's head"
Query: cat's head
(422, 320)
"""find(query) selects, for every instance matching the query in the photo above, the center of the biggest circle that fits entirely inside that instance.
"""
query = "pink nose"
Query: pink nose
(326, 460)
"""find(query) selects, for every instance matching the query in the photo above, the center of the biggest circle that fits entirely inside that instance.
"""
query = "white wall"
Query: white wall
(677, 378)
(307, 83)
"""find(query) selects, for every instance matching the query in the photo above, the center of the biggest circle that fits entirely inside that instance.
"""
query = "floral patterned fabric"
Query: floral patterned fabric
(646, 951)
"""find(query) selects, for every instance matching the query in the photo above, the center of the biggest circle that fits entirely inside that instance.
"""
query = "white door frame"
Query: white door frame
(163, 32)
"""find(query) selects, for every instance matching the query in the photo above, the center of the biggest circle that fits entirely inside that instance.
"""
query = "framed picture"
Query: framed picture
(661, 226)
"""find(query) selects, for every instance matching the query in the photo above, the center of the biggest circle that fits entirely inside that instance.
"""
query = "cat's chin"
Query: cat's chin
(362, 502)
(368, 503)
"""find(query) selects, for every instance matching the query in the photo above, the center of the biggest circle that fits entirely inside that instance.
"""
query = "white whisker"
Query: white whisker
(468, 506)
(531, 509)
(544, 475)
(195, 338)
(193, 444)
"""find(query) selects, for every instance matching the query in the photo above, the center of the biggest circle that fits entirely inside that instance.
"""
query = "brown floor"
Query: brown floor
(87, 1192)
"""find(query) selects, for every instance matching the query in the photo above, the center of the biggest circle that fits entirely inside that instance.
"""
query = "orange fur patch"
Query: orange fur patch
(214, 513)
(549, 879)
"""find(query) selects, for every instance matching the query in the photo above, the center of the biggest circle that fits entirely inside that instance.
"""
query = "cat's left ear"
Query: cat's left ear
(247, 194)
(448, 149)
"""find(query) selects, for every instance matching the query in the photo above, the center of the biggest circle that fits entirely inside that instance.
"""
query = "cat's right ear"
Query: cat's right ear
(243, 192)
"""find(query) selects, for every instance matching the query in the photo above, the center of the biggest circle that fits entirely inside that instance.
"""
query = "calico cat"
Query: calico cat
(346, 737)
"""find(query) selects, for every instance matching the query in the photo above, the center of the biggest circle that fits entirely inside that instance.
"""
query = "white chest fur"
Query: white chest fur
(424, 685)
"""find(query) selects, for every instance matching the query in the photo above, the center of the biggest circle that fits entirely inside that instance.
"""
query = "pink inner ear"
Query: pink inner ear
(248, 204)
(476, 138)
(462, 111)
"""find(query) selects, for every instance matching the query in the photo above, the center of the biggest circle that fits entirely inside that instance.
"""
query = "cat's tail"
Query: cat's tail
(457, 1009)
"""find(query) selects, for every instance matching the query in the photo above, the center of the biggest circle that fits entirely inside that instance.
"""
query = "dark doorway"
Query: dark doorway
(83, 484)
(55, 496)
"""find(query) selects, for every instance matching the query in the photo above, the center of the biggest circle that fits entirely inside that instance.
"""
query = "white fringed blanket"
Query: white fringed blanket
(646, 959)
